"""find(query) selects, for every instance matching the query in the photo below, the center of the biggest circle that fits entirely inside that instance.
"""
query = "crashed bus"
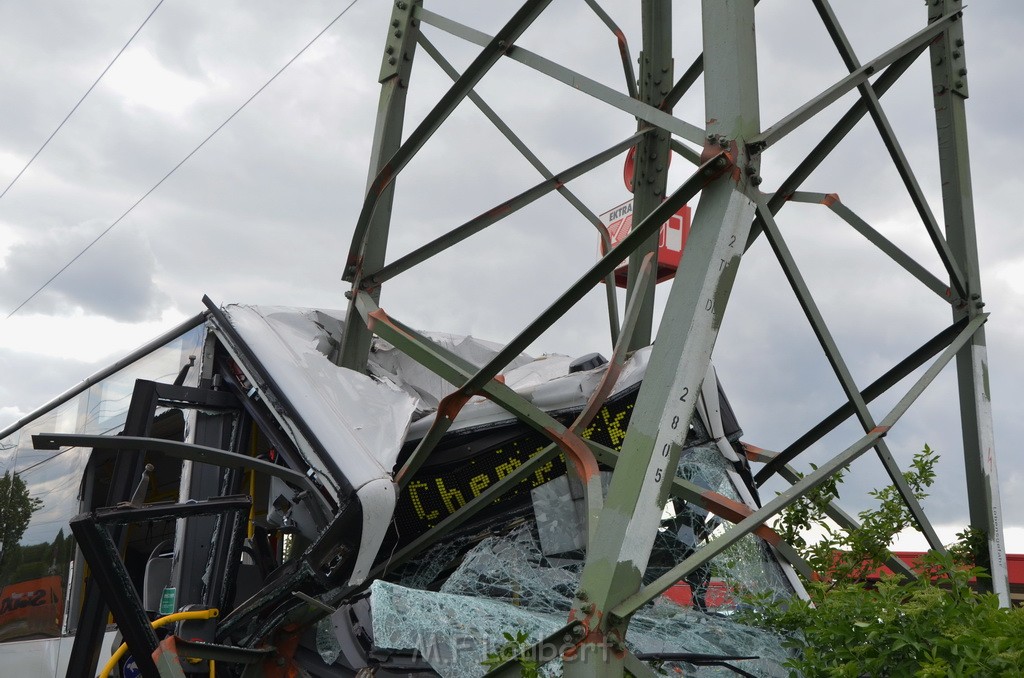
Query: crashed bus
(230, 476)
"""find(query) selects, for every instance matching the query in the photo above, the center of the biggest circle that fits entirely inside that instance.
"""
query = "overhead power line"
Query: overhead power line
(182, 162)
(75, 107)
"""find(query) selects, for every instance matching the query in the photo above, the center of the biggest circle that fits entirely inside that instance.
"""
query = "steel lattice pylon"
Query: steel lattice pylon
(733, 212)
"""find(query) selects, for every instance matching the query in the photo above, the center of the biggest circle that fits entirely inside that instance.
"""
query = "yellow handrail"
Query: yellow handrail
(162, 621)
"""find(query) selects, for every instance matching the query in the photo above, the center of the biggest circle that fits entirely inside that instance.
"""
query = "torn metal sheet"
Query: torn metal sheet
(360, 421)
(385, 359)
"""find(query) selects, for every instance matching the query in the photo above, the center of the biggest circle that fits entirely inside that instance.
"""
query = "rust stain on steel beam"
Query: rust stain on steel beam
(758, 454)
(830, 199)
(384, 178)
(447, 409)
(620, 37)
(712, 149)
(452, 404)
(167, 646)
(503, 208)
(734, 512)
(880, 429)
(593, 637)
(380, 316)
(574, 448)
(599, 396)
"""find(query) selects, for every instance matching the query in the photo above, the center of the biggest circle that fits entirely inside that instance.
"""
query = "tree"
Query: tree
(16, 509)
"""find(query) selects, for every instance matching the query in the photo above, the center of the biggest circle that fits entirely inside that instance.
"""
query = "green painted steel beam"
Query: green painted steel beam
(712, 168)
(893, 376)
(687, 79)
(396, 68)
(494, 48)
(802, 487)
(369, 237)
(834, 136)
(841, 370)
(531, 157)
(892, 144)
(949, 83)
(848, 523)
(650, 166)
(457, 371)
(493, 492)
(624, 54)
(492, 216)
(908, 263)
(830, 95)
(706, 499)
(681, 354)
(573, 79)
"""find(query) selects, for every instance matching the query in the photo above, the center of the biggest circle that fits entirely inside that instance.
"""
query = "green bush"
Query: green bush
(934, 625)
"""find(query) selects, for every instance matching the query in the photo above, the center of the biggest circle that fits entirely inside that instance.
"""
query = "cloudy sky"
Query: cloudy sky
(263, 213)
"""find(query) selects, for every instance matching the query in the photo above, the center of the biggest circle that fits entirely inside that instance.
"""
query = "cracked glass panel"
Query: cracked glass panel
(327, 643)
(748, 568)
(505, 584)
(453, 633)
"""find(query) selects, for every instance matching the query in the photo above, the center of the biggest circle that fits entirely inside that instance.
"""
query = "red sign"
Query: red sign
(32, 608)
(671, 241)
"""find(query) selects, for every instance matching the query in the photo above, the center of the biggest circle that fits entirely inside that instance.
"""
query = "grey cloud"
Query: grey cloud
(265, 211)
(118, 285)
